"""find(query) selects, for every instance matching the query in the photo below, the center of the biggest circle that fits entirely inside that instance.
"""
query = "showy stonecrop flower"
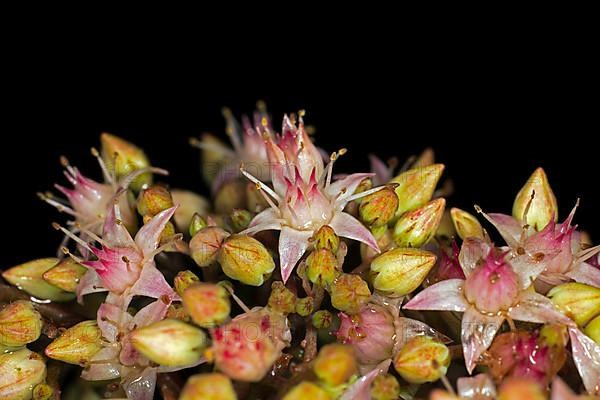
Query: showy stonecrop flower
(304, 198)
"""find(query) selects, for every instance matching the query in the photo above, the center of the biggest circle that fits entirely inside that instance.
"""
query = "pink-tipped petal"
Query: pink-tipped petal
(148, 237)
(478, 332)
(561, 391)
(111, 319)
(509, 228)
(444, 296)
(472, 251)
(585, 273)
(89, 283)
(586, 355)
(141, 387)
(267, 216)
(347, 226)
(292, 245)
(529, 266)
(380, 169)
(533, 307)
(114, 231)
(150, 314)
(477, 387)
(152, 283)
(361, 389)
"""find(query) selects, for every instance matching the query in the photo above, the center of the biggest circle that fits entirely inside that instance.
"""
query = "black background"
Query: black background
(492, 121)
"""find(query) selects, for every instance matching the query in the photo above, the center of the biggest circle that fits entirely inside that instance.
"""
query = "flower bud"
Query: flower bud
(578, 301)
(521, 388)
(335, 364)
(325, 238)
(383, 235)
(593, 329)
(230, 196)
(416, 227)
(385, 387)
(208, 386)
(322, 319)
(29, 277)
(349, 292)
(65, 275)
(153, 200)
(20, 324)
(306, 390)
(305, 306)
(245, 259)
(416, 186)
(370, 332)
(542, 208)
(183, 280)
(554, 335)
(207, 304)
(197, 223)
(43, 391)
(170, 342)
(422, 359)
(282, 299)
(379, 208)
(77, 345)
(20, 372)
(322, 267)
(205, 245)
(240, 219)
(189, 203)
(400, 271)
(124, 158)
(466, 224)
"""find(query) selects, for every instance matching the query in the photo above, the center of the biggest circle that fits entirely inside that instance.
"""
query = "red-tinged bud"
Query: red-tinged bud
(536, 202)
(77, 345)
(349, 292)
(379, 208)
(245, 259)
(205, 245)
(208, 386)
(20, 372)
(416, 227)
(65, 275)
(322, 267)
(207, 304)
(385, 387)
(20, 324)
(184, 280)
(124, 158)
(416, 186)
(521, 388)
(422, 359)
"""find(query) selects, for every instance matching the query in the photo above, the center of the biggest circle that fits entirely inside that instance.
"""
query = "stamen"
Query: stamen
(199, 144)
(267, 198)
(259, 183)
(91, 234)
(172, 240)
(109, 177)
(527, 207)
(72, 236)
(588, 253)
(124, 184)
(365, 193)
(73, 256)
(236, 299)
(59, 206)
(230, 129)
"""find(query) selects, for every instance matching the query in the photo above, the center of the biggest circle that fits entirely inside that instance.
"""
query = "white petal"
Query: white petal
(586, 354)
(533, 307)
(478, 332)
(361, 389)
(292, 245)
(148, 236)
(347, 226)
(444, 296)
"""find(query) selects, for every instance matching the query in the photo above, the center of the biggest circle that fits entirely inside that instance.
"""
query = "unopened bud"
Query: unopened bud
(245, 259)
(578, 301)
(426, 158)
(230, 196)
(305, 306)
(184, 280)
(153, 200)
(77, 345)
(379, 208)
(207, 304)
(20, 372)
(593, 329)
(205, 245)
(65, 275)
(536, 201)
(385, 387)
(400, 271)
(189, 204)
(466, 224)
(282, 299)
(554, 335)
(170, 342)
(521, 388)
(416, 227)
(422, 359)
(416, 186)
(322, 319)
(240, 219)
(322, 267)
(20, 324)
(29, 277)
(124, 158)
(325, 238)
(335, 364)
(209, 386)
(43, 391)
(349, 292)
(197, 223)
(306, 390)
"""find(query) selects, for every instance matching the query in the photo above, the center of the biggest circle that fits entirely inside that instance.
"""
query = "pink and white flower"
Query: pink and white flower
(304, 198)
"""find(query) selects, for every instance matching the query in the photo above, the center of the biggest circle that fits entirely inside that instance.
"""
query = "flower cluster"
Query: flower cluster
(292, 282)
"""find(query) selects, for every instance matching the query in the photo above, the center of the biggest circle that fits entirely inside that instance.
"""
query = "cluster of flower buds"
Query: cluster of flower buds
(292, 282)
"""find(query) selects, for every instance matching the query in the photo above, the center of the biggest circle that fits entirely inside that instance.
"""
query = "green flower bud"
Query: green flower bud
(240, 219)
(77, 345)
(306, 390)
(542, 208)
(322, 319)
(325, 238)
(20, 324)
(184, 280)
(349, 292)
(466, 224)
(245, 259)
(400, 271)
(124, 158)
(416, 186)
(189, 203)
(207, 304)
(282, 299)
(205, 245)
(29, 277)
(43, 392)
(578, 301)
(385, 387)
(197, 223)
(593, 329)
(416, 227)
(305, 306)
(153, 200)
(379, 208)
(335, 364)
(170, 342)
(65, 275)
(209, 386)
(20, 372)
(230, 196)
(422, 359)
(322, 267)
